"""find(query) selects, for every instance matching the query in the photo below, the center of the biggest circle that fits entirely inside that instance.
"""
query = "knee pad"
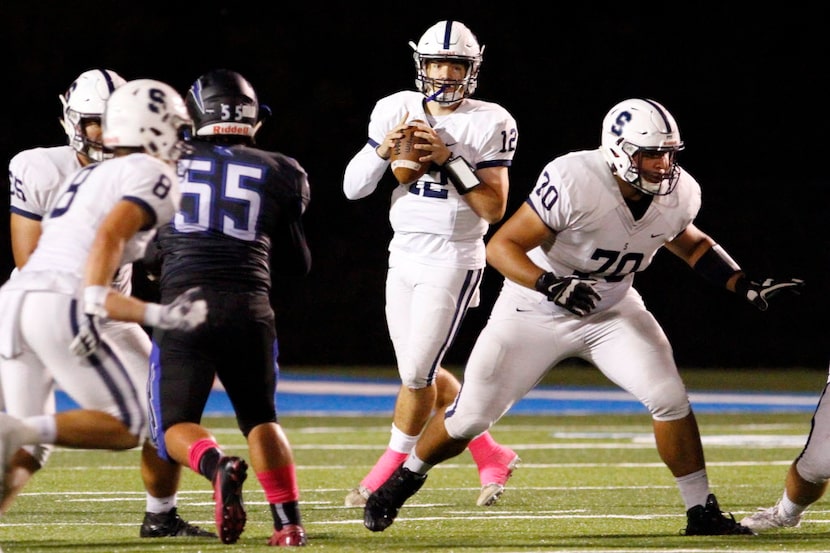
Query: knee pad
(414, 381)
(466, 427)
(668, 402)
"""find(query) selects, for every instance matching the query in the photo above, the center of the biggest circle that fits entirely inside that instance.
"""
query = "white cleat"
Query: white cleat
(11, 431)
(357, 496)
(770, 519)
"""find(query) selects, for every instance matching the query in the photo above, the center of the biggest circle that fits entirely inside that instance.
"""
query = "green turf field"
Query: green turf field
(586, 483)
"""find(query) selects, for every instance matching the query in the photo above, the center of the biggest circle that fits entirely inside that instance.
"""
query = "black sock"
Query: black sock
(209, 462)
(285, 513)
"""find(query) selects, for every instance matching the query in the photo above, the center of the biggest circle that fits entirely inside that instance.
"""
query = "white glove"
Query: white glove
(88, 337)
(183, 313)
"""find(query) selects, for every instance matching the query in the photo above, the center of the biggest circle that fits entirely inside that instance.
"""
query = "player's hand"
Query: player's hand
(758, 293)
(574, 293)
(88, 337)
(186, 312)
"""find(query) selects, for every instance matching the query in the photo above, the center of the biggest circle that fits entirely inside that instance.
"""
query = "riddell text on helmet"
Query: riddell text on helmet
(224, 128)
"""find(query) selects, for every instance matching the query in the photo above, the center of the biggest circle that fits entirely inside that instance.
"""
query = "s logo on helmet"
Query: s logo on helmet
(619, 123)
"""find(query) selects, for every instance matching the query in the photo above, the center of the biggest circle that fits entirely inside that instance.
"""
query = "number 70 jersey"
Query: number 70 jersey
(597, 236)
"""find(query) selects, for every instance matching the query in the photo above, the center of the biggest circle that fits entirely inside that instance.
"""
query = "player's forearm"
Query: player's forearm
(363, 173)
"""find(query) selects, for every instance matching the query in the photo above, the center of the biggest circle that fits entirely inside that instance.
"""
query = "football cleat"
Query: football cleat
(771, 518)
(11, 439)
(383, 505)
(170, 524)
(227, 493)
(709, 520)
(357, 496)
(291, 535)
(493, 479)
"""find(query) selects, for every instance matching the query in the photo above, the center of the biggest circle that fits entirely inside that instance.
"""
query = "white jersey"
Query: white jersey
(40, 311)
(430, 220)
(35, 177)
(87, 197)
(578, 197)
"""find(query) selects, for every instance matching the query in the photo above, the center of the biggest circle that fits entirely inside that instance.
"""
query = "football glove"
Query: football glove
(88, 337)
(758, 293)
(574, 293)
(183, 313)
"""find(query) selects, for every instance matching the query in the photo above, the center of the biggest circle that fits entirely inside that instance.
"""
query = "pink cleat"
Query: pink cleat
(494, 476)
(291, 535)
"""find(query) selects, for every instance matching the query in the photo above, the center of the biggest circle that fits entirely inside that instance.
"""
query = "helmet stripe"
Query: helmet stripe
(447, 34)
(662, 113)
(108, 79)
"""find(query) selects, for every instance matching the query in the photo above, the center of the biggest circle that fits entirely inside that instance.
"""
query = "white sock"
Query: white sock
(400, 442)
(416, 465)
(160, 504)
(789, 508)
(694, 488)
(40, 429)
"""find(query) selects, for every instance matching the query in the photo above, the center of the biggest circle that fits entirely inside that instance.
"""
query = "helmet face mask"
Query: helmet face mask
(634, 130)
(223, 103)
(147, 114)
(447, 42)
(83, 102)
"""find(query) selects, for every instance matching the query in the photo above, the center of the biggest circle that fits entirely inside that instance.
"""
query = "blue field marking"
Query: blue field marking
(323, 395)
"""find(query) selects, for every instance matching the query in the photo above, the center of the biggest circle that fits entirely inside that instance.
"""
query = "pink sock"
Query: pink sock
(492, 459)
(280, 484)
(483, 448)
(197, 450)
(383, 469)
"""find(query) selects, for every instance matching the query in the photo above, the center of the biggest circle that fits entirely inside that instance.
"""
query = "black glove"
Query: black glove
(757, 293)
(88, 337)
(574, 293)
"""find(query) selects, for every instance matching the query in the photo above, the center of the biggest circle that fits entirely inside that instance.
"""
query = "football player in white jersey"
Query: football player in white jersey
(34, 178)
(436, 255)
(109, 381)
(569, 255)
(806, 479)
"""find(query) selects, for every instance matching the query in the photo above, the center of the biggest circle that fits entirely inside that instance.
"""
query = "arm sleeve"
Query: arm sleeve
(363, 173)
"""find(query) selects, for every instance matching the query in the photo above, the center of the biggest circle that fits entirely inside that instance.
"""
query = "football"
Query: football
(405, 165)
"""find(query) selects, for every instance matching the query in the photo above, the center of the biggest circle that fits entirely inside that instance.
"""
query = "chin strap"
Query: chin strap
(437, 93)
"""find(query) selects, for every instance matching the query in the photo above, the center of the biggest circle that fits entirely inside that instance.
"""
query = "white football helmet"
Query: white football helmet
(447, 41)
(83, 100)
(641, 125)
(148, 114)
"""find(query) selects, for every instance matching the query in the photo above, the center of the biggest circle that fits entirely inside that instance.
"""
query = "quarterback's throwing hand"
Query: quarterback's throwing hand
(575, 294)
(88, 337)
(183, 313)
(758, 293)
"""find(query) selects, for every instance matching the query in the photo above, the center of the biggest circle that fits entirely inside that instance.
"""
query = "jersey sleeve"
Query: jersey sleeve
(154, 186)
(366, 168)
(550, 199)
(33, 180)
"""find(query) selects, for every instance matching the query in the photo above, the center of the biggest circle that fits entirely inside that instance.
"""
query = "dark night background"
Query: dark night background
(747, 88)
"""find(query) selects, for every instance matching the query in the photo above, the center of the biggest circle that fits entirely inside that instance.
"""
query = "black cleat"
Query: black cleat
(382, 506)
(170, 525)
(227, 493)
(709, 520)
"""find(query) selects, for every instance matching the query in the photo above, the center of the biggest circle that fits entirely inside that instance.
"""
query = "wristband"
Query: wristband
(461, 175)
(152, 314)
(95, 298)
(716, 266)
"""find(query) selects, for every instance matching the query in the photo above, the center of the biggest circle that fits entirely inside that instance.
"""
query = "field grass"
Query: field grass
(586, 483)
